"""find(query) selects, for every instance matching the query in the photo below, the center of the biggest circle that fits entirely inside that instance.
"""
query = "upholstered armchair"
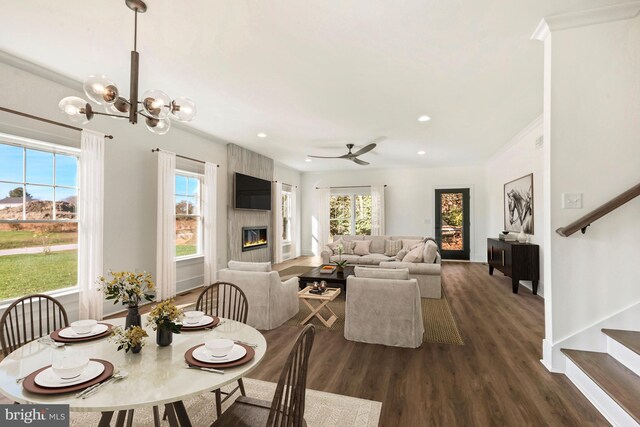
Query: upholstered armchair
(383, 307)
(271, 301)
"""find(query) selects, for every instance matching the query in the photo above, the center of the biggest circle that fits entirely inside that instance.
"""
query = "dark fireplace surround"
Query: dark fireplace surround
(254, 238)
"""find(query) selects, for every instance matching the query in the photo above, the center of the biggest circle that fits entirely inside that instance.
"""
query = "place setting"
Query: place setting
(80, 331)
(196, 321)
(217, 353)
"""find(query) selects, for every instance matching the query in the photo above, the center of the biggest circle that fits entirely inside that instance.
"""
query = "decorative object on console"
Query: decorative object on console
(155, 106)
(522, 236)
(518, 204)
(507, 237)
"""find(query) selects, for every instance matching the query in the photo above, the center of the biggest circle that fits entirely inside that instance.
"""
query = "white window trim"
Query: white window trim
(200, 249)
(288, 242)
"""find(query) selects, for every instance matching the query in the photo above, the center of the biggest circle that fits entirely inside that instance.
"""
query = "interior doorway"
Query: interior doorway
(452, 223)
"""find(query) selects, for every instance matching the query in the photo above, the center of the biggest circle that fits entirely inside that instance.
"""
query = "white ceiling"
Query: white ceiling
(314, 75)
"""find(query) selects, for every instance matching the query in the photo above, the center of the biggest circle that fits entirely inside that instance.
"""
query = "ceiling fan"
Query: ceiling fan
(352, 156)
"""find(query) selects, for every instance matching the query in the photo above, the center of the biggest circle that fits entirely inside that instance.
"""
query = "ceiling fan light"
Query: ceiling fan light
(76, 109)
(100, 90)
(156, 103)
(183, 109)
(158, 126)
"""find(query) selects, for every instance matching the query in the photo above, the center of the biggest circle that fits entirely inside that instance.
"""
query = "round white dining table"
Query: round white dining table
(157, 376)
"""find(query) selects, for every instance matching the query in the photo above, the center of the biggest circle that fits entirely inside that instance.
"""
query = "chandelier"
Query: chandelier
(156, 106)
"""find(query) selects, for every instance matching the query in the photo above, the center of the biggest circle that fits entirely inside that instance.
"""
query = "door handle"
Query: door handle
(503, 258)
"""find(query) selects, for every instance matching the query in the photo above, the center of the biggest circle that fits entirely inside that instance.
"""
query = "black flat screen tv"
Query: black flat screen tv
(252, 193)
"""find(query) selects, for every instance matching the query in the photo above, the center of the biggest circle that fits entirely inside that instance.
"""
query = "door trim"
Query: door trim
(468, 240)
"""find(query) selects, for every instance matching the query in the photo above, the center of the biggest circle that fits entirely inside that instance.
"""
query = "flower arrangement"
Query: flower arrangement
(127, 287)
(340, 263)
(129, 339)
(165, 315)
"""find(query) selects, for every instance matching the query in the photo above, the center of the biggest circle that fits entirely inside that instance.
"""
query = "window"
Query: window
(349, 214)
(38, 222)
(188, 214)
(286, 216)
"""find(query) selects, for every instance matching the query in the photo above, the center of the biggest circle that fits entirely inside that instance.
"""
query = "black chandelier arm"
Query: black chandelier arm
(110, 115)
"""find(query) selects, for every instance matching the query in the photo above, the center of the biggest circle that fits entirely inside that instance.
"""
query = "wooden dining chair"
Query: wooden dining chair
(225, 300)
(287, 407)
(30, 318)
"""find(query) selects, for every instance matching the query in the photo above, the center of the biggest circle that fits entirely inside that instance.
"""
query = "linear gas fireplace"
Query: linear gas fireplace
(254, 238)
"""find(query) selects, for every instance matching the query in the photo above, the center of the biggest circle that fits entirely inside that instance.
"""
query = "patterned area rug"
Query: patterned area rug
(439, 324)
(321, 410)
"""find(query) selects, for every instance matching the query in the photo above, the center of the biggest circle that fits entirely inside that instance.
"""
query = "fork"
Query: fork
(51, 342)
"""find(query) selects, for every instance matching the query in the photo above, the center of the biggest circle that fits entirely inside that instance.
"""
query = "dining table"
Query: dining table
(157, 376)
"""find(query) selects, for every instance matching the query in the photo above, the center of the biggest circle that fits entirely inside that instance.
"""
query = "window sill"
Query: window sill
(57, 294)
(190, 258)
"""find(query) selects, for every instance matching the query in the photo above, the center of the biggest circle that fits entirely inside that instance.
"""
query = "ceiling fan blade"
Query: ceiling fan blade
(360, 162)
(325, 157)
(377, 140)
(364, 150)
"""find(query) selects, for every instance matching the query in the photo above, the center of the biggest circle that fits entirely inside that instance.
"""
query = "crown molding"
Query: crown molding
(599, 15)
(516, 138)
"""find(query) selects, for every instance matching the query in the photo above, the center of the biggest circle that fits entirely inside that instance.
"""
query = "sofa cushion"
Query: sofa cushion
(250, 266)
(351, 259)
(377, 244)
(409, 243)
(350, 237)
(382, 273)
(361, 247)
(401, 254)
(415, 254)
(375, 259)
(430, 252)
(392, 247)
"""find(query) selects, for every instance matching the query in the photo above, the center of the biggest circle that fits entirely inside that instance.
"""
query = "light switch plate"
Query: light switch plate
(571, 200)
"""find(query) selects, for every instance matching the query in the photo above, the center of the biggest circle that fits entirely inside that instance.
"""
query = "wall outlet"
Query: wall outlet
(571, 200)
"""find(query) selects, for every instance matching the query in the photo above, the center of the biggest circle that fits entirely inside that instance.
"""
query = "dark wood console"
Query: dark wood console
(520, 261)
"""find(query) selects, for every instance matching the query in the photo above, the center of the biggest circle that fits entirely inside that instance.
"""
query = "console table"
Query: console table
(520, 261)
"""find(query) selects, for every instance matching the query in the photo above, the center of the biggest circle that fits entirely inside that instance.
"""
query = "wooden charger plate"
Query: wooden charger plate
(188, 356)
(29, 383)
(55, 335)
(212, 324)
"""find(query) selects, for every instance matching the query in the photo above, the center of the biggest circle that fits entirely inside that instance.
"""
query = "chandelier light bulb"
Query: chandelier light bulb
(76, 109)
(183, 109)
(158, 126)
(156, 103)
(100, 90)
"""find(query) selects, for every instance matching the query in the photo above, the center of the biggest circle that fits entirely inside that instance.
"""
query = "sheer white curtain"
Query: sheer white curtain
(90, 223)
(377, 210)
(166, 227)
(276, 220)
(322, 236)
(209, 197)
(294, 221)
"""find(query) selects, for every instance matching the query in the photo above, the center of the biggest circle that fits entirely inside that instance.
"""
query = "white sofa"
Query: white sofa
(427, 274)
(383, 307)
(271, 301)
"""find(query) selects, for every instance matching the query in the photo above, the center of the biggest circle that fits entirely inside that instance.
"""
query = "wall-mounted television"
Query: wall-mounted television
(252, 193)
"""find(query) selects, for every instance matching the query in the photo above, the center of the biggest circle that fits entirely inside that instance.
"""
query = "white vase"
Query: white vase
(522, 236)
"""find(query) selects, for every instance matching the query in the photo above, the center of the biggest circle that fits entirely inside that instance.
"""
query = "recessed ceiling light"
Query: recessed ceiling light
(308, 160)
(424, 118)
(262, 135)
(422, 152)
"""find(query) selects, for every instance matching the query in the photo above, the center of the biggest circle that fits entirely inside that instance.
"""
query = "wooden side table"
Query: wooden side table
(323, 300)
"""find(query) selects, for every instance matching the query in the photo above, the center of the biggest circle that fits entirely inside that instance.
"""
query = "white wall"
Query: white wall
(592, 129)
(409, 199)
(517, 158)
(130, 171)
(286, 175)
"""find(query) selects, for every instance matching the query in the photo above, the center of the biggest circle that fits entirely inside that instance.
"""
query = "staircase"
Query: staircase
(611, 381)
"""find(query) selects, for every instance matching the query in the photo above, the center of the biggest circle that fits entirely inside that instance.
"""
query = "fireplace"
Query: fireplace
(254, 238)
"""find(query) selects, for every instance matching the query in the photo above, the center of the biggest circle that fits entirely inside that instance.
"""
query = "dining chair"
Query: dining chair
(28, 319)
(225, 300)
(287, 407)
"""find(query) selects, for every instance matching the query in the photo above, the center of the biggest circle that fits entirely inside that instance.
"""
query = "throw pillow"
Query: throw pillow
(361, 247)
(407, 244)
(334, 246)
(348, 248)
(430, 252)
(415, 254)
(250, 266)
(392, 247)
(401, 254)
(382, 273)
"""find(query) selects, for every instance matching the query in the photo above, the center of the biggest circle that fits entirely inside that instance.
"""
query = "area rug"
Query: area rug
(321, 409)
(294, 271)
(439, 324)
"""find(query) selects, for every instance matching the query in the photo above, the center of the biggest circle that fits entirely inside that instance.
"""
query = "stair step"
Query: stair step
(630, 339)
(615, 379)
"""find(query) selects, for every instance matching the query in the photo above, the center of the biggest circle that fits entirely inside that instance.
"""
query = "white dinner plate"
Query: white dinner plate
(204, 321)
(48, 378)
(97, 330)
(203, 355)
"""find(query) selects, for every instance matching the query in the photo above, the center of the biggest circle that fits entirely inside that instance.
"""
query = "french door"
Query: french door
(452, 223)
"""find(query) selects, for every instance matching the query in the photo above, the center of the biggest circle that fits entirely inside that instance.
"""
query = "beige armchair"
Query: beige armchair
(383, 307)
(271, 301)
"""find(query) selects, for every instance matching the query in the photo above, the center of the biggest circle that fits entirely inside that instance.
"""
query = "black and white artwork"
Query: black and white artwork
(518, 205)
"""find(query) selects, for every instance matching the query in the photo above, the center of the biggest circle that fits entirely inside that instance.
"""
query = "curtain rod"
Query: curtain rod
(290, 185)
(348, 186)
(184, 157)
(51, 122)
